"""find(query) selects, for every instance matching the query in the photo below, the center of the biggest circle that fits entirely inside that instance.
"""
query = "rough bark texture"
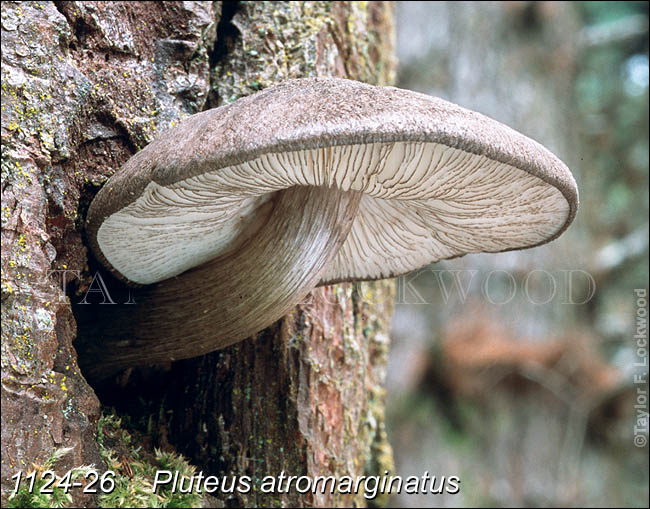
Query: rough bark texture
(84, 86)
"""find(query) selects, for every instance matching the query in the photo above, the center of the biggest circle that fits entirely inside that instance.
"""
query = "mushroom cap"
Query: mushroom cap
(438, 181)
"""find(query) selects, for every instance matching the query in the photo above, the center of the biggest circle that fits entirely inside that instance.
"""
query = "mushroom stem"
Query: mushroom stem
(231, 297)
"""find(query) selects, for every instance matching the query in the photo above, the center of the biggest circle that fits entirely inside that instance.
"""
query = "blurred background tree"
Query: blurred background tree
(515, 371)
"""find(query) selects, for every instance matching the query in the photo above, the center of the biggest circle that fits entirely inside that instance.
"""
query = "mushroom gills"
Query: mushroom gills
(422, 202)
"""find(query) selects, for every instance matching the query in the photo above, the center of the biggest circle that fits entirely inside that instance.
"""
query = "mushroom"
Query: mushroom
(233, 216)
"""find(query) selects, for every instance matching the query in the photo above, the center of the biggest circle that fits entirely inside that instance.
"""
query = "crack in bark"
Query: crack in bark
(227, 34)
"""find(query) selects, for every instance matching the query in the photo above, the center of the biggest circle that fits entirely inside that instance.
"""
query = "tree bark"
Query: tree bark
(84, 86)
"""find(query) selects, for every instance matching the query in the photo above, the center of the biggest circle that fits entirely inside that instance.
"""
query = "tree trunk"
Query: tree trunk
(84, 86)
